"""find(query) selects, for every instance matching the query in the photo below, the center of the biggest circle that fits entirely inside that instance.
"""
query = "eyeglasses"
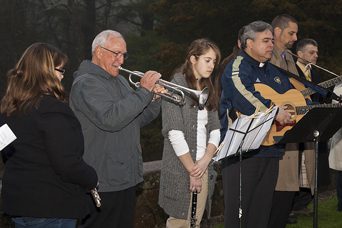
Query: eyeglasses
(62, 71)
(117, 54)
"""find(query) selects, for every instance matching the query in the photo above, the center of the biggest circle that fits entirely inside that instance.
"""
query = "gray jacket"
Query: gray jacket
(111, 114)
(174, 195)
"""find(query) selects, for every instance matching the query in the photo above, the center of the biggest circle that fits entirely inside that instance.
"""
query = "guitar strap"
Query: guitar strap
(319, 89)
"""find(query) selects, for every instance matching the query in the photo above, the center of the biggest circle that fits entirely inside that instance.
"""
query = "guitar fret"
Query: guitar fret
(301, 110)
(308, 92)
(326, 84)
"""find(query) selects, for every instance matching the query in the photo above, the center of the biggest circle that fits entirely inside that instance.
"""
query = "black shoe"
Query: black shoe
(292, 219)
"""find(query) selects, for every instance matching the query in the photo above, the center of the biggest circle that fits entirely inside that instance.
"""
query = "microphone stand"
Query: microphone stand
(308, 63)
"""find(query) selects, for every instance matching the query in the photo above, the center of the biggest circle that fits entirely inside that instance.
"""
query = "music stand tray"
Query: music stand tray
(319, 124)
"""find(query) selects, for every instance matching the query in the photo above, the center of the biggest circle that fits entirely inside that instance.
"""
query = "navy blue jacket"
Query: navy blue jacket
(238, 91)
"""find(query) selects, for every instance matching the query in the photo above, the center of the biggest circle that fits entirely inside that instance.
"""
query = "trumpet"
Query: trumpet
(176, 93)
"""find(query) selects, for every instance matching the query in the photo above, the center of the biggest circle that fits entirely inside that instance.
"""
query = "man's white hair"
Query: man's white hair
(102, 38)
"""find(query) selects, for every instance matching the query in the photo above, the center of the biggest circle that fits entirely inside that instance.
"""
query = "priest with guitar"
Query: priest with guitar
(259, 168)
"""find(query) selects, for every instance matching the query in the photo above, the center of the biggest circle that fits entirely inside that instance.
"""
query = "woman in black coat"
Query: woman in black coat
(45, 182)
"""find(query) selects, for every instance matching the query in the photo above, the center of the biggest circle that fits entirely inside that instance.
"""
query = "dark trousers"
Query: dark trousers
(302, 199)
(259, 177)
(117, 210)
(281, 208)
(323, 166)
(339, 189)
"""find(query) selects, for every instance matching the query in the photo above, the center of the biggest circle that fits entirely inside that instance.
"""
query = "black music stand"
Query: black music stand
(319, 124)
(246, 133)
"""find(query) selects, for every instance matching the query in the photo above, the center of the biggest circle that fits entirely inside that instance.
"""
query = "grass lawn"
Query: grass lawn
(328, 217)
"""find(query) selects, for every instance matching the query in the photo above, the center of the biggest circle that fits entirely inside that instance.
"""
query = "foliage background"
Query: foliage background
(157, 32)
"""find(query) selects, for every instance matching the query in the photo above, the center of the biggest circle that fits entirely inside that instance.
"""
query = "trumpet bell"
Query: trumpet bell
(203, 98)
(200, 96)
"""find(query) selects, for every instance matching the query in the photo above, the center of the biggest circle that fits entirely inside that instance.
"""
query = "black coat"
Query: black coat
(46, 175)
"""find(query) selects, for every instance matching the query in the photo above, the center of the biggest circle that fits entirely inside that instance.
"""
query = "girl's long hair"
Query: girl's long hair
(197, 48)
(33, 76)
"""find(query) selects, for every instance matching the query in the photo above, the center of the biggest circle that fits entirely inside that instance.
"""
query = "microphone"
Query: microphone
(312, 64)
(331, 94)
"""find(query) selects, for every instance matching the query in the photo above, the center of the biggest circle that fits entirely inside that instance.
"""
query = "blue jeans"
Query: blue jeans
(29, 222)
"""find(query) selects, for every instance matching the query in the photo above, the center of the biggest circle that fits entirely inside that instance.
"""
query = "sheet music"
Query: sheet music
(6, 136)
(252, 129)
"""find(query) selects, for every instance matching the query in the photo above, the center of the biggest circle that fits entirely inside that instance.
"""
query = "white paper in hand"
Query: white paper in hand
(6, 136)
(247, 132)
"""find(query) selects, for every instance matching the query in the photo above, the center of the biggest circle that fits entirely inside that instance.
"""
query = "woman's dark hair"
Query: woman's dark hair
(33, 75)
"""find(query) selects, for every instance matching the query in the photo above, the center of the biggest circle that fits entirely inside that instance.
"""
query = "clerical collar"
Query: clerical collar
(252, 60)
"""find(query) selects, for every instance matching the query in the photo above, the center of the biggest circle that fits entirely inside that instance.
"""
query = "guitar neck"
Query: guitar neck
(301, 110)
(326, 84)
